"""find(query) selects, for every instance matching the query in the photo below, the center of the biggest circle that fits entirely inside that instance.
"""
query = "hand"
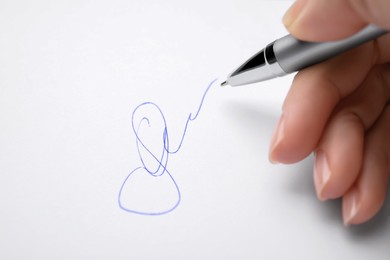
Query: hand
(340, 109)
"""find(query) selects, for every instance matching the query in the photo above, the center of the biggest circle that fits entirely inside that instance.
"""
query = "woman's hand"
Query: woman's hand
(340, 109)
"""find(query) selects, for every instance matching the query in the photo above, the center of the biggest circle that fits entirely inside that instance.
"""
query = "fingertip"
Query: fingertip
(322, 174)
(276, 139)
(287, 143)
(359, 207)
(339, 156)
(293, 12)
(351, 207)
(309, 20)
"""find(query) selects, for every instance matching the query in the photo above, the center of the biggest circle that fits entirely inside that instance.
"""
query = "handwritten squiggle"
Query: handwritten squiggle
(161, 159)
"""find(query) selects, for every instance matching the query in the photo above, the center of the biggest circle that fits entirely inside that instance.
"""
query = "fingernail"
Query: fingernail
(277, 137)
(322, 174)
(351, 207)
(292, 13)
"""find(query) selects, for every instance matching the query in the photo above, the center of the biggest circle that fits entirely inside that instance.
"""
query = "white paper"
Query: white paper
(71, 75)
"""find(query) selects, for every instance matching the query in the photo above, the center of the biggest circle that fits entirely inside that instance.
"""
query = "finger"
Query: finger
(313, 95)
(324, 20)
(367, 195)
(340, 151)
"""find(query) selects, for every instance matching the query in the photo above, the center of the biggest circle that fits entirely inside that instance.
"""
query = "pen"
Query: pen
(288, 54)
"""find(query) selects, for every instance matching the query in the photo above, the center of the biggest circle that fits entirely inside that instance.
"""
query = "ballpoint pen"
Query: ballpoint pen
(288, 54)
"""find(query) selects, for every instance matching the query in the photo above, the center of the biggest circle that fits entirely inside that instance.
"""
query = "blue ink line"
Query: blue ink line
(163, 160)
(165, 140)
(190, 118)
(157, 213)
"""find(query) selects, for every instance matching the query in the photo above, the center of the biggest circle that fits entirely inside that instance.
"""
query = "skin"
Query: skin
(340, 109)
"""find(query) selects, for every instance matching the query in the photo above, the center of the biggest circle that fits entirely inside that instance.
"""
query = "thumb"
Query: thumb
(326, 20)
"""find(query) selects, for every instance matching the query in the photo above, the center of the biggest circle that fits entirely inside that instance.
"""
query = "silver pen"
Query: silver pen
(288, 54)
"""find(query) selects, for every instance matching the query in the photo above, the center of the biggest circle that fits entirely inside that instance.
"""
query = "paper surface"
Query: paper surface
(72, 74)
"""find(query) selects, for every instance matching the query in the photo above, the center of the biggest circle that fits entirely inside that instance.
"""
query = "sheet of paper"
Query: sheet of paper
(112, 147)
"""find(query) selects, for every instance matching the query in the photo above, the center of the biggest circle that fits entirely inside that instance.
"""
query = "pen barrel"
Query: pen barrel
(293, 54)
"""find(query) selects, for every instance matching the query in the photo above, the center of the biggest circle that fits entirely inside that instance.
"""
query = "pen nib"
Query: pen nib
(224, 84)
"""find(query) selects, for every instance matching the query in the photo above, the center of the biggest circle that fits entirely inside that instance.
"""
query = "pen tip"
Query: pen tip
(224, 84)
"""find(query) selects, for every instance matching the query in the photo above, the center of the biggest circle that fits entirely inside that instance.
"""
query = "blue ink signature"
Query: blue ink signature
(150, 159)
